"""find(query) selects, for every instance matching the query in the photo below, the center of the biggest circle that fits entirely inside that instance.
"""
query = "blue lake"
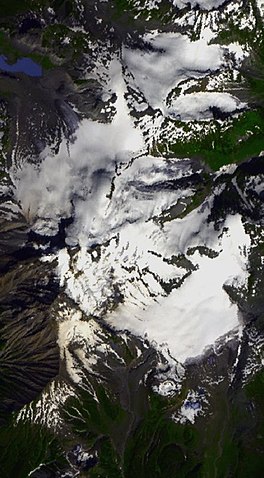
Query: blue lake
(23, 65)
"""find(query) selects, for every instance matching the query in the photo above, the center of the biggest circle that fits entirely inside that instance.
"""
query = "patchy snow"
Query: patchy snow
(88, 339)
(193, 406)
(255, 359)
(226, 169)
(10, 211)
(198, 106)
(47, 409)
(260, 4)
(240, 52)
(256, 184)
(170, 377)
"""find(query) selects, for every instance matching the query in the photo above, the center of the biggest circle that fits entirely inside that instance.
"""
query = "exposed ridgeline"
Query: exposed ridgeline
(29, 356)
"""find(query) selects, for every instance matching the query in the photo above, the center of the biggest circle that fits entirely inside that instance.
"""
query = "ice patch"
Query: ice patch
(193, 406)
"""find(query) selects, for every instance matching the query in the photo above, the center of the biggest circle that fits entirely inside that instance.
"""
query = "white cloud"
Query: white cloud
(171, 58)
(47, 192)
(204, 4)
(137, 260)
(196, 106)
(199, 312)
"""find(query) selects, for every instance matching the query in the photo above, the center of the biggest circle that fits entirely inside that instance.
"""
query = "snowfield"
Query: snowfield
(197, 313)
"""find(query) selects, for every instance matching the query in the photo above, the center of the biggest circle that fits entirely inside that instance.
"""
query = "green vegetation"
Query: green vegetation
(19, 6)
(43, 60)
(251, 442)
(236, 141)
(231, 29)
(53, 39)
(162, 14)
(131, 439)
(8, 10)
(24, 446)
(198, 198)
(7, 48)
(13, 53)
(241, 138)
(90, 418)
(212, 447)
(159, 447)
(226, 442)
(109, 465)
(123, 13)
(122, 6)
(254, 70)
